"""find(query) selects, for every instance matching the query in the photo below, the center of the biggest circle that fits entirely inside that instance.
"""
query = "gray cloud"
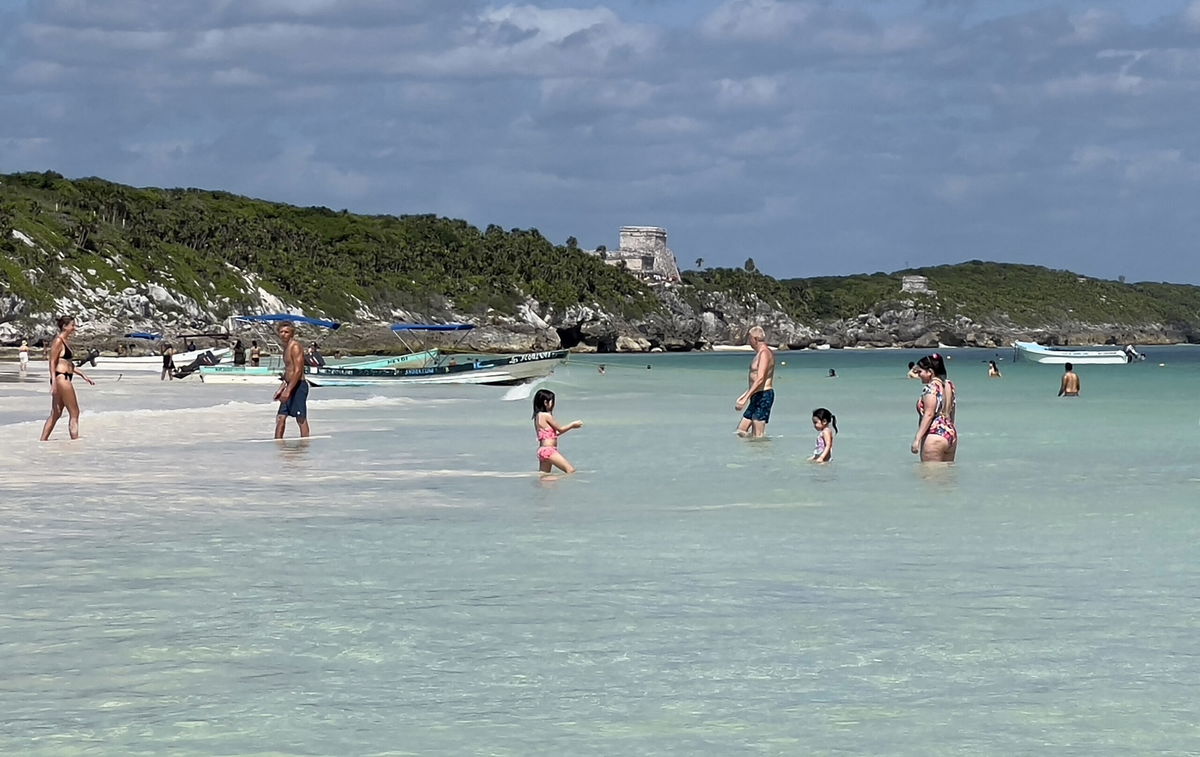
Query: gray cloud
(816, 137)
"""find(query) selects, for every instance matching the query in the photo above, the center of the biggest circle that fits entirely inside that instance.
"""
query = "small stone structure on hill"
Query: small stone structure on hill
(916, 285)
(644, 253)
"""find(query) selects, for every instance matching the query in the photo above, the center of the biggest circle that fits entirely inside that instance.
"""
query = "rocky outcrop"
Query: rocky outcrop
(902, 324)
(686, 319)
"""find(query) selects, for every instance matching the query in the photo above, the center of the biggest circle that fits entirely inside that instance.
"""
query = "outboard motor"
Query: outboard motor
(205, 358)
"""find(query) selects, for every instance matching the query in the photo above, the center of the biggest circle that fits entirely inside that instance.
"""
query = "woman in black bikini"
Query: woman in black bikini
(62, 370)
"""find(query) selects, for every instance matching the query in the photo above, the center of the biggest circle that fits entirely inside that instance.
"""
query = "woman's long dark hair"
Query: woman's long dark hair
(933, 363)
(824, 415)
(542, 401)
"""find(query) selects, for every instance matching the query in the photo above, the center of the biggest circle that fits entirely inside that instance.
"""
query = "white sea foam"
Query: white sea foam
(523, 391)
(223, 407)
(373, 401)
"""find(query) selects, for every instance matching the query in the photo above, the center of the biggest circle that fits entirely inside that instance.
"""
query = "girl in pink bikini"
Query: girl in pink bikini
(937, 436)
(548, 432)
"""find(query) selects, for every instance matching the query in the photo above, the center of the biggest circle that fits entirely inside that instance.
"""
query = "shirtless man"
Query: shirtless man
(1070, 383)
(293, 395)
(757, 399)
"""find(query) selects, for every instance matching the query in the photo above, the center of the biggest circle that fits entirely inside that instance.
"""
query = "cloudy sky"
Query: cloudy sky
(818, 137)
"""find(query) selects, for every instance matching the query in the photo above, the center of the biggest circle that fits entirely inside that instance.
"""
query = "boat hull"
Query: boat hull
(148, 363)
(516, 369)
(273, 374)
(1057, 356)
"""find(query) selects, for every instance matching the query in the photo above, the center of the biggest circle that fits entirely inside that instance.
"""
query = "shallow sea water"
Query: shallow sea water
(406, 584)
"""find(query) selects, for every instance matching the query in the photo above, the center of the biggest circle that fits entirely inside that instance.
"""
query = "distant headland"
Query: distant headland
(124, 258)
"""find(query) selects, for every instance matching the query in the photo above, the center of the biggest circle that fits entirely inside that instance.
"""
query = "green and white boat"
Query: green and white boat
(504, 370)
(272, 372)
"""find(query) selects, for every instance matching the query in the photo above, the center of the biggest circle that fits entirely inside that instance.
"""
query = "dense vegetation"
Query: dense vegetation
(201, 243)
(1023, 295)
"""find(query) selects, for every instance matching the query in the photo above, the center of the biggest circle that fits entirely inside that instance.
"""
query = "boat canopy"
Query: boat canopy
(274, 317)
(432, 327)
(143, 335)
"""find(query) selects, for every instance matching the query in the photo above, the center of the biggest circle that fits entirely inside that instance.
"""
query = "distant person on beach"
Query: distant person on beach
(825, 423)
(293, 395)
(993, 371)
(168, 363)
(62, 371)
(912, 371)
(255, 353)
(760, 396)
(239, 353)
(1070, 382)
(937, 436)
(314, 358)
(23, 356)
(548, 432)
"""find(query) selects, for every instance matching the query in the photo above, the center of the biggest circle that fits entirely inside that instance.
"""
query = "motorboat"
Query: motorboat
(273, 374)
(1039, 353)
(153, 361)
(315, 365)
(514, 369)
(511, 369)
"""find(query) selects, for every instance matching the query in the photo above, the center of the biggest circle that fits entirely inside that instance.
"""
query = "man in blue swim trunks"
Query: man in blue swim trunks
(757, 400)
(293, 395)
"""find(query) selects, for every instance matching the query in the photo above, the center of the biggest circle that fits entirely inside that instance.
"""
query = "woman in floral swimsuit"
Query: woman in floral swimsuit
(937, 436)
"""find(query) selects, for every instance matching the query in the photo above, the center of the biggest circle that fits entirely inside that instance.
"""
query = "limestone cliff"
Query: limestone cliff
(688, 319)
(191, 269)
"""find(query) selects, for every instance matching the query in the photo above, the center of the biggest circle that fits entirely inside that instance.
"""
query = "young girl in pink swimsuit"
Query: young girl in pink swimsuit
(825, 423)
(548, 432)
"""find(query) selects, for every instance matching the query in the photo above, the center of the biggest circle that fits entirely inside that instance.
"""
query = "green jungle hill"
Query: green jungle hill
(128, 257)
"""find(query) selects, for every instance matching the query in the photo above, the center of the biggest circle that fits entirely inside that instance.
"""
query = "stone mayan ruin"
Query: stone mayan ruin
(916, 285)
(644, 253)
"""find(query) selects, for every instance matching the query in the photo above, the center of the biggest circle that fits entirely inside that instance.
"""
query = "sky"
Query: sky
(818, 137)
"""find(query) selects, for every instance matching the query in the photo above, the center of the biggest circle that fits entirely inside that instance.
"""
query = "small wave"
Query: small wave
(143, 413)
(377, 400)
(427, 473)
(154, 412)
(523, 391)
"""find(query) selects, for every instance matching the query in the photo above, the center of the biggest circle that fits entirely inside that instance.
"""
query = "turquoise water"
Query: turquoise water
(406, 584)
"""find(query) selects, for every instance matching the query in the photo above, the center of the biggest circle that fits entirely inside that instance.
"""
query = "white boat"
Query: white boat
(1077, 355)
(513, 369)
(736, 348)
(151, 363)
(273, 373)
